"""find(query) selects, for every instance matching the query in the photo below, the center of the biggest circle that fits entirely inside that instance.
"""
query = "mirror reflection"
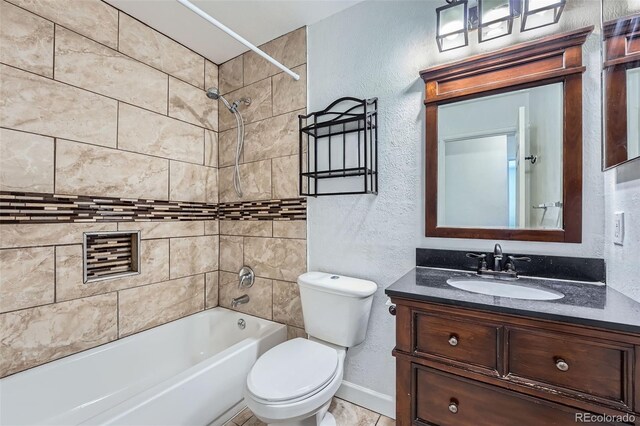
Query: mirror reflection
(633, 112)
(621, 77)
(500, 160)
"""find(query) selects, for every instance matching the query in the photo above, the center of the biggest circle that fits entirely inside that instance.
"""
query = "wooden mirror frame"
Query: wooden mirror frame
(621, 52)
(553, 59)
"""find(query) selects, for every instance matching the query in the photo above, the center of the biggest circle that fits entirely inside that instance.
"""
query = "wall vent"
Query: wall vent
(109, 255)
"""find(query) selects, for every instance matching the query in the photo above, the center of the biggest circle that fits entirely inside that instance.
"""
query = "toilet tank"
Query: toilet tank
(336, 308)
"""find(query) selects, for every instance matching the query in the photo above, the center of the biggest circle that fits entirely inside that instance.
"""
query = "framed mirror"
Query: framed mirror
(504, 143)
(621, 81)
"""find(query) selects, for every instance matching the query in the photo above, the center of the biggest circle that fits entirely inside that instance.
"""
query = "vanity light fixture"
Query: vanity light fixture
(495, 18)
(452, 25)
(492, 19)
(540, 13)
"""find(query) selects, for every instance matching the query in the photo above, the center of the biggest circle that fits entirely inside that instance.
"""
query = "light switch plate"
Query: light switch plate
(618, 228)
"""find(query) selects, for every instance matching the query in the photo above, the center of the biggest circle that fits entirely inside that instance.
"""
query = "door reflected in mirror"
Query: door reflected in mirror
(621, 81)
(633, 113)
(500, 160)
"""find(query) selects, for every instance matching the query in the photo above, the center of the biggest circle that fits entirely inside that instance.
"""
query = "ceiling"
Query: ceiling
(256, 20)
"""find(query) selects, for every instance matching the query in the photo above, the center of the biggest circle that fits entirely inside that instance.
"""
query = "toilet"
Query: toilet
(293, 383)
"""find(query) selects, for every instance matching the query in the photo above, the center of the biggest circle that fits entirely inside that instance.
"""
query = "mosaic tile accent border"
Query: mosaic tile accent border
(16, 207)
(290, 209)
(25, 207)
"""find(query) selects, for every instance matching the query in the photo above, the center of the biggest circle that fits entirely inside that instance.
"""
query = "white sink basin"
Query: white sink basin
(503, 289)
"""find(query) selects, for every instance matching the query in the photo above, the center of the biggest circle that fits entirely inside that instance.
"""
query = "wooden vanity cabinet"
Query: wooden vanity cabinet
(459, 366)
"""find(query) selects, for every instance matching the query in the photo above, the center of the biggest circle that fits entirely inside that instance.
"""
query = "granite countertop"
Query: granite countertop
(590, 304)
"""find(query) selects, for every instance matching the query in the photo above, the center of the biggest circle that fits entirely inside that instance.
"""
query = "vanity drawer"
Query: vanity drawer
(446, 400)
(457, 339)
(578, 364)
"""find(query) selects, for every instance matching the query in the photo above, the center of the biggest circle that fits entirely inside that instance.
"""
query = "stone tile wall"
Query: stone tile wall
(94, 103)
(270, 162)
(275, 249)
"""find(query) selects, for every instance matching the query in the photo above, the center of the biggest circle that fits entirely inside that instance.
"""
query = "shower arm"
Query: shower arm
(195, 9)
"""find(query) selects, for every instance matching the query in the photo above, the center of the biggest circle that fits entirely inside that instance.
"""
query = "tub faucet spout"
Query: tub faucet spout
(240, 300)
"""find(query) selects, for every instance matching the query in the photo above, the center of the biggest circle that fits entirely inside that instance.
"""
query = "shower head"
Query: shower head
(213, 93)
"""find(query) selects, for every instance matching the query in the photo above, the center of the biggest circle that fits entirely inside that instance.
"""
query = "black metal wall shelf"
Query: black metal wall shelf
(339, 148)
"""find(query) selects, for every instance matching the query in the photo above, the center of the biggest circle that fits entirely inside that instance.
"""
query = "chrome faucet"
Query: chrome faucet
(497, 257)
(240, 300)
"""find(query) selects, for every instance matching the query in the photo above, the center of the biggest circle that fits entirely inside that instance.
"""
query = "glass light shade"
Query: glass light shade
(495, 19)
(540, 13)
(452, 26)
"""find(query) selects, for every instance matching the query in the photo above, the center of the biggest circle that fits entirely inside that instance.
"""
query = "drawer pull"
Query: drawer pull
(453, 407)
(453, 340)
(561, 364)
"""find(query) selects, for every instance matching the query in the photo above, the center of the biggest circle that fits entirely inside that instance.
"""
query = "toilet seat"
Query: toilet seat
(292, 371)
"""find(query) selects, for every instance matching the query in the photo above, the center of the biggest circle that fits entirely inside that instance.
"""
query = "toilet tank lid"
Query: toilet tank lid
(338, 284)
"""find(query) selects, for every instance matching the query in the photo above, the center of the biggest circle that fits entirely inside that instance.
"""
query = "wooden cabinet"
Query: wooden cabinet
(459, 366)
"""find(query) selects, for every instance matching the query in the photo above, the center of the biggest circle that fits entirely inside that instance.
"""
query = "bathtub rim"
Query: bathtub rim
(271, 327)
(121, 341)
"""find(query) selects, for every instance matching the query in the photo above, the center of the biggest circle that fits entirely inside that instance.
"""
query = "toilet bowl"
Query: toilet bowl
(293, 383)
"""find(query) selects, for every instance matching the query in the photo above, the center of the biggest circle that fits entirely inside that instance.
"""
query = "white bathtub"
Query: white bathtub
(187, 372)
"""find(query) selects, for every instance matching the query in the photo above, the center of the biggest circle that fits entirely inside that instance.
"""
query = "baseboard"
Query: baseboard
(367, 398)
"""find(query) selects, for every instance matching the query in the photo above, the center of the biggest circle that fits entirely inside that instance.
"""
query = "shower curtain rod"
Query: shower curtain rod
(195, 9)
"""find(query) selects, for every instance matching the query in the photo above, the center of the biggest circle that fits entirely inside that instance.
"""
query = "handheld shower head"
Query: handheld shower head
(213, 93)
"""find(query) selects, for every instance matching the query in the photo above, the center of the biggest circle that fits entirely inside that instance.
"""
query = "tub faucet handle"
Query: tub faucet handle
(246, 277)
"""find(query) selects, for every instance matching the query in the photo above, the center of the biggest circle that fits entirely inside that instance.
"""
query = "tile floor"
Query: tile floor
(346, 414)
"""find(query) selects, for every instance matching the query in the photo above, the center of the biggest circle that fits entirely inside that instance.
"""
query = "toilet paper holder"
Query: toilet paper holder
(392, 306)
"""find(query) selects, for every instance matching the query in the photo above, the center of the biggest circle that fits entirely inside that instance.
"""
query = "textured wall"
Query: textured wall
(613, 9)
(622, 189)
(377, 49)
(276, 250)
(95, 103)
